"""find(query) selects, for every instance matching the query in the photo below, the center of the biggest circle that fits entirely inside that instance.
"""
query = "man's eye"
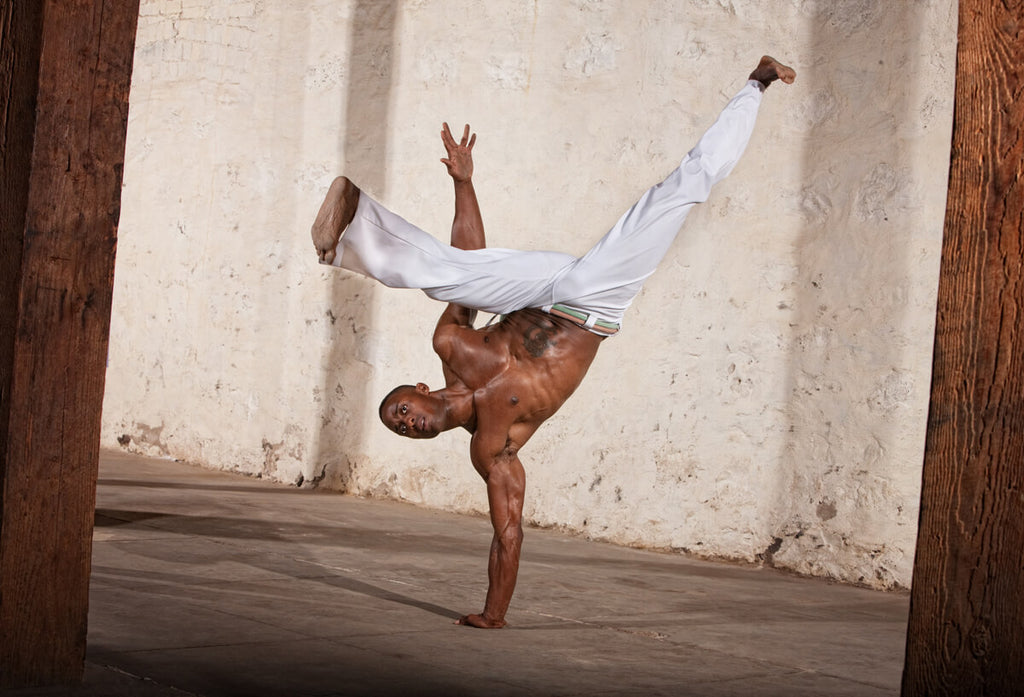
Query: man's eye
(403, 409)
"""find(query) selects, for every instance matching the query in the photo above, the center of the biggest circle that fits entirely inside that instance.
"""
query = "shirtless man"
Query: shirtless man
(504, 380)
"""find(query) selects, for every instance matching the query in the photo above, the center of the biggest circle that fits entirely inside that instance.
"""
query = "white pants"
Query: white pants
(602, 283)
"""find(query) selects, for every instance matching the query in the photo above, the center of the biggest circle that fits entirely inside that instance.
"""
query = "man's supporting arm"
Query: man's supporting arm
(506, 488)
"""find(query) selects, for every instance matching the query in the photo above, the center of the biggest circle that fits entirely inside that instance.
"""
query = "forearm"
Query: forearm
(467, 233)
(502, 572)
(468, 225)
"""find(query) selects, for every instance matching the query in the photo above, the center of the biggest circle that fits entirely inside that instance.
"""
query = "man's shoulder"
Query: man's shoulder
(470, 341)
(476, 356)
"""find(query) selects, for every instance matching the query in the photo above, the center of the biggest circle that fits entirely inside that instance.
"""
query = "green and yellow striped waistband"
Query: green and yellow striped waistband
(587, 321)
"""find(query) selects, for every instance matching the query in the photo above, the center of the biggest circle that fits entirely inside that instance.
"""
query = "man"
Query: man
(503, 381)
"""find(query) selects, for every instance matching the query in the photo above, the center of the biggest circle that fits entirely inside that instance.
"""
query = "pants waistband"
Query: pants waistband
(587, 321)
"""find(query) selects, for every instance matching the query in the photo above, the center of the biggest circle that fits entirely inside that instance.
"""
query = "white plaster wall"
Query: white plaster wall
(766, 400)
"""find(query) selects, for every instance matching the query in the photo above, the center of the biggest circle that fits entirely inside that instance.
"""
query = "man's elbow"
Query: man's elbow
(511, 538)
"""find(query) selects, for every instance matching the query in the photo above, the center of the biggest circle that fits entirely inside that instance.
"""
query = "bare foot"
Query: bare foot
(769, 70)
(480, 621)
(336, 212)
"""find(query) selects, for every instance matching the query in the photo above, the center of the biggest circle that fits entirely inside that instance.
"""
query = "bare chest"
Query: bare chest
(546, 363)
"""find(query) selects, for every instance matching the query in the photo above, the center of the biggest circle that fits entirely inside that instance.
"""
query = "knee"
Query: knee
(710, 166)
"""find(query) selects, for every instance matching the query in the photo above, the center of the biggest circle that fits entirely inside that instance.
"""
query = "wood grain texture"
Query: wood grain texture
(70, 203)
(966, 629)
(20, 34)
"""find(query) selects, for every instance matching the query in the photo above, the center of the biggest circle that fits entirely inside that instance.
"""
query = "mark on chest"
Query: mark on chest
(514, 399)
(538, 339)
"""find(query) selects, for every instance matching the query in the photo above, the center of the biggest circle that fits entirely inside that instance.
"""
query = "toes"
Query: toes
(326, 256)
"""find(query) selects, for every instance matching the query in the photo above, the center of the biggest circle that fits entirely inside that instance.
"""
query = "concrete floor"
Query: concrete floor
(211, 584)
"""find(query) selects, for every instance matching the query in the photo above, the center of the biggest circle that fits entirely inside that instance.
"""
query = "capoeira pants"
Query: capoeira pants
(596, 289)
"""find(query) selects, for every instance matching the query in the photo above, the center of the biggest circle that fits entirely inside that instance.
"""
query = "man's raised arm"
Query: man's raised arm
(468, 224)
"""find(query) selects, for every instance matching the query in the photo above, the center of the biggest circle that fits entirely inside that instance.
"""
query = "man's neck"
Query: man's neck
(458, 407)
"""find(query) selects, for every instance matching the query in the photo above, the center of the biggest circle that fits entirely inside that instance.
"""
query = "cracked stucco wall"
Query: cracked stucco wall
(766, 400)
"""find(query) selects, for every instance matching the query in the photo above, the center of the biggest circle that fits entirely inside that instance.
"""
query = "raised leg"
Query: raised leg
(769, 70)
(610, 275)
(336, 212)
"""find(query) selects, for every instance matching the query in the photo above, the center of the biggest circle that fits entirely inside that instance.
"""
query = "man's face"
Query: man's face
(411, 412)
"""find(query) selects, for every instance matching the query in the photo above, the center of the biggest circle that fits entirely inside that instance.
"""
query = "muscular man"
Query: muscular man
(504, 380)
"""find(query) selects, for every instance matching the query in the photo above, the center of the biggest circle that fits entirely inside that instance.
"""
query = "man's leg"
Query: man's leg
(371, 240)
(335, 214)
(606, 279)
(379, 244)
(769, 70)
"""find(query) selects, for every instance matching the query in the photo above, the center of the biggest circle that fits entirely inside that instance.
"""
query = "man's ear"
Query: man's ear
(422, 389)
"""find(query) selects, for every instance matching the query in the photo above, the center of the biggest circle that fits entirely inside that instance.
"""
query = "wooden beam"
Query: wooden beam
(67, 68)
(966, 629)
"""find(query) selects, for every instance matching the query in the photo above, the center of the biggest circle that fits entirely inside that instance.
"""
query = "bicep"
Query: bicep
(487, 448)
(504, 474)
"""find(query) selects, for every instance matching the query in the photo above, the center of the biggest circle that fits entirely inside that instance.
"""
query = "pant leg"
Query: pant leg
(606, 279)
(386, 247)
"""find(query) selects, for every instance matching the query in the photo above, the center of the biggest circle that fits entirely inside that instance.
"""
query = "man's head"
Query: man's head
(412, 411)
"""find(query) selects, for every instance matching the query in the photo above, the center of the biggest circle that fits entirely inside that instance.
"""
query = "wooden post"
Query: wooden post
(966, 629)
(66, 68)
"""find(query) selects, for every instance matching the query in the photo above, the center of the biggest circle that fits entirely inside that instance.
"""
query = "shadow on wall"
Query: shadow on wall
(849, 379)
(363, 150)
